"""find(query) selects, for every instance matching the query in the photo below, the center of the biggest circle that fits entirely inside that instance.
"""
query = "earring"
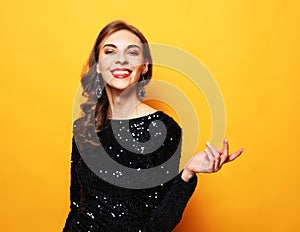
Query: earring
(98, 86)
(141, 93)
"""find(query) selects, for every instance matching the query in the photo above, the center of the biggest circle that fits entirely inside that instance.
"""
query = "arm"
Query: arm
(74, 188)
(169, 212)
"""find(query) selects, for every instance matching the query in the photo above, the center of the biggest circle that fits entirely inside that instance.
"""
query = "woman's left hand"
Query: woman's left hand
(210, 160)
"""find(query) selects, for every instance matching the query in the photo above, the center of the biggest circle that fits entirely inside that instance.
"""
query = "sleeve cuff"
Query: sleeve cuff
(192, 181)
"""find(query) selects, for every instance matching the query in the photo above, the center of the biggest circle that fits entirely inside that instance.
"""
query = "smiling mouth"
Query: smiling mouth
(121, 73)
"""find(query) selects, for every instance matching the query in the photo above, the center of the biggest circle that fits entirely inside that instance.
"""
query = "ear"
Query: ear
(145, 67)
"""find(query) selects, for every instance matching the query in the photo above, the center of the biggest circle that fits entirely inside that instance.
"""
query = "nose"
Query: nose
(121, 58)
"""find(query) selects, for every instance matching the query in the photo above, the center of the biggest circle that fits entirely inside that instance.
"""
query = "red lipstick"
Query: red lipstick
(121, 73)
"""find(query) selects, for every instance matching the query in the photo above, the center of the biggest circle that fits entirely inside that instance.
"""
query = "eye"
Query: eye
(133, 52)
(109, 52)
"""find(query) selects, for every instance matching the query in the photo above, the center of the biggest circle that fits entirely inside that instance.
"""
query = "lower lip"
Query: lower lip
(123, 76)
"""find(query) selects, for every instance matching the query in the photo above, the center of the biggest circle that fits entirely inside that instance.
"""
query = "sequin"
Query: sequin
(91, 215)
(100, 200)
(75, 204)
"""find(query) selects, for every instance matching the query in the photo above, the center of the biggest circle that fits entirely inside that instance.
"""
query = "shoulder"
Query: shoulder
(167, 118)
(145, 110)
(168, 121)
(154, 114)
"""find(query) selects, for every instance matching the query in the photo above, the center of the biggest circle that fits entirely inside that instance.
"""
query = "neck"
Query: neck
(123, 103)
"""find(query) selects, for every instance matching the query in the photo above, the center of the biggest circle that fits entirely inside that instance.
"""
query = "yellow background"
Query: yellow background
(252, 49)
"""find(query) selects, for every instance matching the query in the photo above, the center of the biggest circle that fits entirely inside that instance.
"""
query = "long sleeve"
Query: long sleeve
(169, 212)
(74, 187)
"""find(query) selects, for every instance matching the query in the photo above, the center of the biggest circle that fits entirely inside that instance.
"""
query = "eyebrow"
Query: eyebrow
(129, 46)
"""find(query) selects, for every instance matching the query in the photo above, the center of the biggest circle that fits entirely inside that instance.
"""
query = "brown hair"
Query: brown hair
(96, 116)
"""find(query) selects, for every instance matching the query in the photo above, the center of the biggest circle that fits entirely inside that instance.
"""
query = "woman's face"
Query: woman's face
(121, 60)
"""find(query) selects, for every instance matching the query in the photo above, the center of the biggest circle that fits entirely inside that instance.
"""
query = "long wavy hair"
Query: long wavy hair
(94, 110)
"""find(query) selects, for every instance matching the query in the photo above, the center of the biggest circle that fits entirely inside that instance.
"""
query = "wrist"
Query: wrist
(186, 175)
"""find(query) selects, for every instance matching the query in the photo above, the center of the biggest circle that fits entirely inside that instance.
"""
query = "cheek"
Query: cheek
(105, 61)
(137, 62)
(140, 68)
(104, 64)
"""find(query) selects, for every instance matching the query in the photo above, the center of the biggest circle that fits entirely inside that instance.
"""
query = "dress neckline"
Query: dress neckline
(136, 118)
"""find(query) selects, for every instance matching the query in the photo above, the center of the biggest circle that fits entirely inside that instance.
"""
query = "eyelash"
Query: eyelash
(135, 53)
(111, 52)
(107, 52)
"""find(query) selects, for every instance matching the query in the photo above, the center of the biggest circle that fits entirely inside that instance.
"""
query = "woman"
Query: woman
(138, 137)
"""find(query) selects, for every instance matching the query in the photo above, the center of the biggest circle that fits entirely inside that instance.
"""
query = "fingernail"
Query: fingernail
(226, 140)
(208, 143)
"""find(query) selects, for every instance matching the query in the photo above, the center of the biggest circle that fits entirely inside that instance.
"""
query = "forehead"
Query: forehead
(121, 39)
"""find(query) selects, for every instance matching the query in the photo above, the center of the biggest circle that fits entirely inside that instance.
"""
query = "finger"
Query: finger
(235, 155)
(220, 151)
(216, 156)
(209, 155)
(224, 155)
(226, 147)
(212, 150)
(210, 165)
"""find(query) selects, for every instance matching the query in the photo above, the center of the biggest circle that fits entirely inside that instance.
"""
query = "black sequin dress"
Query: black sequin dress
(98, 205)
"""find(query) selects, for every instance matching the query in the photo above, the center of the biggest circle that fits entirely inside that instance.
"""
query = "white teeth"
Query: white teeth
(120, 72)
